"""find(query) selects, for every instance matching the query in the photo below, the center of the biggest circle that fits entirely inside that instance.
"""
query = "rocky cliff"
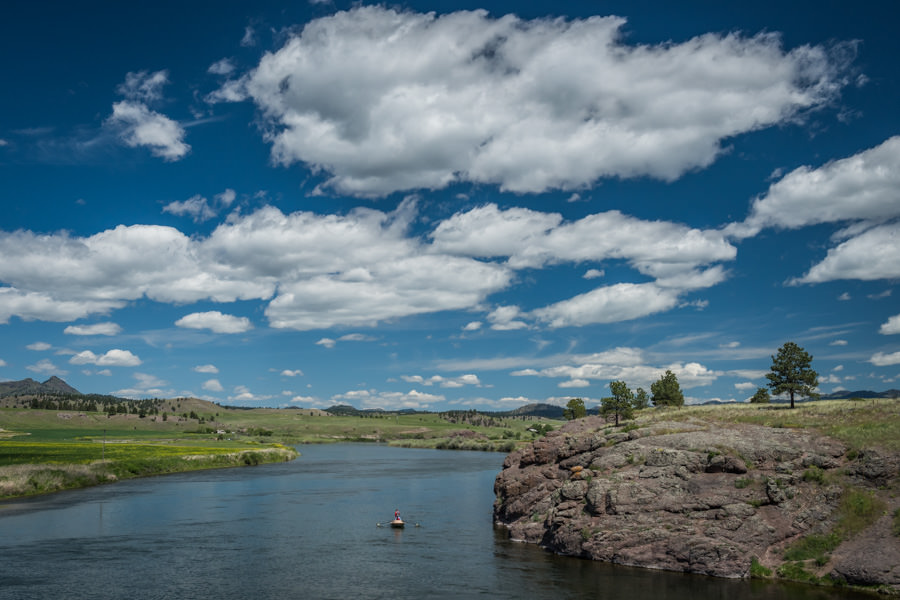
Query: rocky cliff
(703, 497)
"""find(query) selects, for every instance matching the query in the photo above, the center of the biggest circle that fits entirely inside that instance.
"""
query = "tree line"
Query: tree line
(791, 374)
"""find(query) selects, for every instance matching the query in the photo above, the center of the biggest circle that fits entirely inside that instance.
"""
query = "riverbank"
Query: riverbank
(45, 450)
(811, 494)
(135, 460)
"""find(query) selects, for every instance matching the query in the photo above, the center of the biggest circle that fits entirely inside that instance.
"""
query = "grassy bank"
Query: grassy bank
(44, 450)
(131, 460)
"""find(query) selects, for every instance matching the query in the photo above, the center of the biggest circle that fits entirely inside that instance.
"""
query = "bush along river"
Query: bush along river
(310, 529)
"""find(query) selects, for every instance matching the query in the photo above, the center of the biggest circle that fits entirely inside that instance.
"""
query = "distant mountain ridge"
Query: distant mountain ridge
(861, 394)
(54, 385)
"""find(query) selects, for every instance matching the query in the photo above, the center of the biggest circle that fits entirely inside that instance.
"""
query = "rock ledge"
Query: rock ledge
(694, 496)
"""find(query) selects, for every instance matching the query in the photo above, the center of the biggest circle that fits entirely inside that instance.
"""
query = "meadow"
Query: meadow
(46, 450)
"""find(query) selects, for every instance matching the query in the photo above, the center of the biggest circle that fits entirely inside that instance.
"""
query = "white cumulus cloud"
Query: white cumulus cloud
(215, 321)
(315, 271)
(625, 364)
(442, 381)
(882, 359)
(413, 399)
(45, 367)
(138, 125)
(862, 187)
(610, 304)
(213, 385)
(868, 256)
(144, 127)
(386, 100)
(95, 329)
(112, 358)
(891, 326)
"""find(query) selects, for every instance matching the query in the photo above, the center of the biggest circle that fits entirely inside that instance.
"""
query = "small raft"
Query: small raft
(398, 523)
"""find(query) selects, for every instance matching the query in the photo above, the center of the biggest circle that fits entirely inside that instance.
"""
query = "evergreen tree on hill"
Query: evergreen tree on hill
(666, 391)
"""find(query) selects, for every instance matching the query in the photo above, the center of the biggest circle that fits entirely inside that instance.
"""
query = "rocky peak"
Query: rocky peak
(53, 385)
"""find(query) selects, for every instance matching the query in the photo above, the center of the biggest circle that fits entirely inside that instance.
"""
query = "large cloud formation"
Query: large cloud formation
(383, 100)
(358, 269)
(860, 192)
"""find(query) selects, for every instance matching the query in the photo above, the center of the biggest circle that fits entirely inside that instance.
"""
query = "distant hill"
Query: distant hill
(861, 394)
(842, 395)
(548, 411)
(54, 385)
(345, 410)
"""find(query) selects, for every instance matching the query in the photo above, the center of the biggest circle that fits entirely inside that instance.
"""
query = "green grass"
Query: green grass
(65, 466)
(858, 510)
(287, 426)
(796, 571)
(14, 452)
(815, 474)
(868, 424)
(758, 570)
(812, 546)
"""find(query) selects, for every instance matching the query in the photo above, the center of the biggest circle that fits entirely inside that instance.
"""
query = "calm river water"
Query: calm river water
(308, 529)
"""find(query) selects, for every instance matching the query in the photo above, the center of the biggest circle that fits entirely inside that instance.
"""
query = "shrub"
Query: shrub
(758, 570)
(815, 474)
(252, 458)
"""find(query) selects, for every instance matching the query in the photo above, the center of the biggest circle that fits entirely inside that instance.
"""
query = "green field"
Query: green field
(44, 450)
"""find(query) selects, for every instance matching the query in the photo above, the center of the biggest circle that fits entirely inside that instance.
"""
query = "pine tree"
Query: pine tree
(575, 409)
(666, 391)
(621, 402)
(761, 396)
(792, 373)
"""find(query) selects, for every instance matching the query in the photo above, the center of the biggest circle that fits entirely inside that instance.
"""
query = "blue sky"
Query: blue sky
(447, 205)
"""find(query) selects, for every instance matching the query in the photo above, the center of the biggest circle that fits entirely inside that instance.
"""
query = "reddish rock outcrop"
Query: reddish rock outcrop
(685, 496)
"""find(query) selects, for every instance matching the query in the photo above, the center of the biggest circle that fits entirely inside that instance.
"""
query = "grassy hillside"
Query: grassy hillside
(859, 423)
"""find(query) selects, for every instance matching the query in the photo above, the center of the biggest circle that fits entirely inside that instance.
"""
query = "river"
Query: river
(309, 529)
